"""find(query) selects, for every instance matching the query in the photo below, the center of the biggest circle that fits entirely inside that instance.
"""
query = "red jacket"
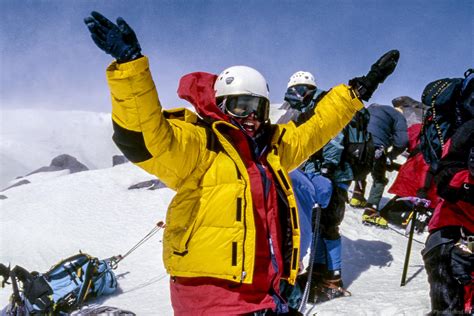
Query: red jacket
(456, 207)
(459, 213)
(412, 174)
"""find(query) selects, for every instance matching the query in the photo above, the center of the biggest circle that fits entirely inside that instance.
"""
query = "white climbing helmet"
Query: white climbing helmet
(241, 80)
(301, 77)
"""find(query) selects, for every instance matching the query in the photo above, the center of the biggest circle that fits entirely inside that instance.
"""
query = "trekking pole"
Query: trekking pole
(314, 243)
(417, 203)
(16, 298)
(116, 259)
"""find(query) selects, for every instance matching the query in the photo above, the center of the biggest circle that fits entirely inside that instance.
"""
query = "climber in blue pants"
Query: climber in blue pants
(309, 189)
(326, 168)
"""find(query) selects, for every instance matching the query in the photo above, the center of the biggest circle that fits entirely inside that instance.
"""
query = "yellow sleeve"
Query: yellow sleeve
(332, 113)
(167, 148)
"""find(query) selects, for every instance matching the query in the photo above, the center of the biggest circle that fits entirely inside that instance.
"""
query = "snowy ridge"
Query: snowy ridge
(59, 214)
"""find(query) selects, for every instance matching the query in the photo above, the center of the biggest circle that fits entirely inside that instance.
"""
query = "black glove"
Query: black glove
(450, 193)
(118, 40)
(379, 71)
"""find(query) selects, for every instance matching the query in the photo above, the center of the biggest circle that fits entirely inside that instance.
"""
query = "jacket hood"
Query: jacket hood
(198, 89)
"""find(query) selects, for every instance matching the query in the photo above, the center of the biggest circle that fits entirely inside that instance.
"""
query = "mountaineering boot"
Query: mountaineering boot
(358, 203)
(372, 217)
(318, 273)
(358, 200)
(366, 85)
(329, 288)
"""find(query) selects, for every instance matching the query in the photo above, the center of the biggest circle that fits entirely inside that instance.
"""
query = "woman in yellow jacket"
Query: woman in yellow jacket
(232, 228)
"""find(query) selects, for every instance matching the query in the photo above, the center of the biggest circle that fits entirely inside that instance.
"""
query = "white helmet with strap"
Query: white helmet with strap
(302, 78)
(241, 80)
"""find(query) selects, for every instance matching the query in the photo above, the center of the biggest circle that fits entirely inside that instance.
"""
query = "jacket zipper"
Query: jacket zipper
(243, 273)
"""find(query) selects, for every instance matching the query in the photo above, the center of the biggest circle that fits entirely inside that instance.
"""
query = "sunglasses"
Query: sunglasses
(241, 106)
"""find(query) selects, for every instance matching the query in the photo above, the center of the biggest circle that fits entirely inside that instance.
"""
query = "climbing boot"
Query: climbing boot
(372, 218)
(329, 288)
(358, 203)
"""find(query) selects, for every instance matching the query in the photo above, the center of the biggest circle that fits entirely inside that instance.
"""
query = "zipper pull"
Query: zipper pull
(271, 246)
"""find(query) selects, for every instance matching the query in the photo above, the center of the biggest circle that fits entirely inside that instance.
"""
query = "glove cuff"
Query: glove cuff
(130, 54)
(364, 87)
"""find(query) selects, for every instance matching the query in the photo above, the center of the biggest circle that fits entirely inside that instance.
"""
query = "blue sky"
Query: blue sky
(48, 59)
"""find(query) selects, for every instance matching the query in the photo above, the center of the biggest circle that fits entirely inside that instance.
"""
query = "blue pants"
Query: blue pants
(309, 190)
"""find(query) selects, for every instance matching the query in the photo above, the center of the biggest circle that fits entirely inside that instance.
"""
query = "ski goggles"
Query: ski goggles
(302, 90)
(241, 106)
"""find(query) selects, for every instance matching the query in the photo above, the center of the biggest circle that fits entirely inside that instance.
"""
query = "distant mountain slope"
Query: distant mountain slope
(30, 139)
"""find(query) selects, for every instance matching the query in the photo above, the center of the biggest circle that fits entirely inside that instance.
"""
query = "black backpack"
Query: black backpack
(449, 104)
(358, 146)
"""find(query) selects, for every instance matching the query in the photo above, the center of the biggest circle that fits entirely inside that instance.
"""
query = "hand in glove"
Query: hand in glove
(366, 85)
(118, 40)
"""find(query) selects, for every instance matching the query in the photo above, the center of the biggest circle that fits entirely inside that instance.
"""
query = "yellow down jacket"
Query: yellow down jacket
(210, 229)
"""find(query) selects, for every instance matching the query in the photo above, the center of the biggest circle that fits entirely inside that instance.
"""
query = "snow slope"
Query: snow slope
(57, 215)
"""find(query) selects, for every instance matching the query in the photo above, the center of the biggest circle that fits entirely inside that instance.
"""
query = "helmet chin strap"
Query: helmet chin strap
(257, 132)
(221, 107)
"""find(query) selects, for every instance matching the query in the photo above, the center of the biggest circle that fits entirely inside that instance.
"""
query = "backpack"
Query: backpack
(358, 147)
(63, 288)
(438, 124)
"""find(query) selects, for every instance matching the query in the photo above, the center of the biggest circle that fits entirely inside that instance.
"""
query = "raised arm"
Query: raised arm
(168, 147)
(333, 112)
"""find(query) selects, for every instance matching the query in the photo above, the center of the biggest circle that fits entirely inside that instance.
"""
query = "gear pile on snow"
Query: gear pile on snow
(64, 288)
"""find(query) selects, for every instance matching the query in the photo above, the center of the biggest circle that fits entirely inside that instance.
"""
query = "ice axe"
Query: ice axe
(418, 204)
